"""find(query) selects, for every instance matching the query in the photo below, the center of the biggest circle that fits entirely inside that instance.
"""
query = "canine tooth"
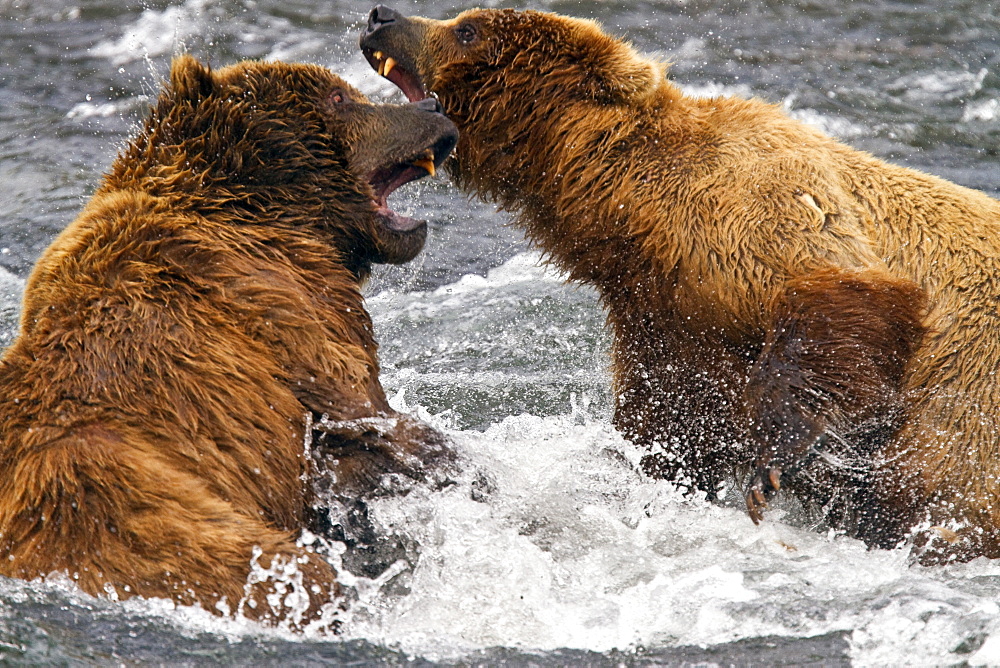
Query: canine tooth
(389, 64)
(426, 163)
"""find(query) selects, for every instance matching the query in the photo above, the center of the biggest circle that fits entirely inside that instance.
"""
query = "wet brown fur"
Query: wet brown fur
(175, 337)
(779, 301)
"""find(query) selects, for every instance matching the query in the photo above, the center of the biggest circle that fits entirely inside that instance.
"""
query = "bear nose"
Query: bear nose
(380, 17)
(430, 104)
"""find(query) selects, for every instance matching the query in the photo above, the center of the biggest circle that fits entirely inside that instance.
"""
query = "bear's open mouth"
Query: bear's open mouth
(391, 69)
(385, 180)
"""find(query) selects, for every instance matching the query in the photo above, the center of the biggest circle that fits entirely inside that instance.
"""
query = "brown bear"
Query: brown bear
(197, 328)
(781, 304)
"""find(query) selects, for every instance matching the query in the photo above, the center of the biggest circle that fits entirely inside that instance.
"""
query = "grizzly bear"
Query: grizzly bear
(197, 328)
(782, 306)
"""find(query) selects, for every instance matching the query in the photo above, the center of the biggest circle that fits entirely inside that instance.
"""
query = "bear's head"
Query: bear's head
(504, 75)
(288, 144)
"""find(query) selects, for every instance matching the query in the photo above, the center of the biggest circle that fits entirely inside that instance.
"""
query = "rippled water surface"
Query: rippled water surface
(550, 549)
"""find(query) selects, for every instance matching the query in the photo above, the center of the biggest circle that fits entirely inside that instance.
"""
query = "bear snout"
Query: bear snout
(429, 104)
(380, 17)
(390, 43)
(447, 132)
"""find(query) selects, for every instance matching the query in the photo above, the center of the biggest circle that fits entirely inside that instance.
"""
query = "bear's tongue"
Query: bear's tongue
(406, 81)
(385, 181)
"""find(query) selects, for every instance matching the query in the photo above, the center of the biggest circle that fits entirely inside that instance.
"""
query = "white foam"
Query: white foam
(939, 84)
(11, 289)
(573, 548)
(154, 33)
(834, 126)
(302, 49)
(831, 125)
(712, 89)
(981, 110)
(693, 48)
(6, 277)
(988, 654)
(90, 109)
(523, 269)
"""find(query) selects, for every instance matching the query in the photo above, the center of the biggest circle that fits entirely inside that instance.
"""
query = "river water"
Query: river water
(550, 549)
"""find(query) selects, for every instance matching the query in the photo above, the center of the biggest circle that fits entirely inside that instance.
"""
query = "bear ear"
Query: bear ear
(616, 73)
(189, 79)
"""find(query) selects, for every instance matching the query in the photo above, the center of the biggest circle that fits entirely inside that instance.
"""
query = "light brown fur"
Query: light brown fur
(175, 337)
(725, 239)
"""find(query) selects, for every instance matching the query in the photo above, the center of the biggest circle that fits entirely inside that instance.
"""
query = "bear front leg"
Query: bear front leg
(356, 453)
(357, 437)
(677, 394)
(835, 356)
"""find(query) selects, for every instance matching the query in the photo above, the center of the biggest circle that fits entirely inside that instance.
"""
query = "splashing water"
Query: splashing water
(549, 542)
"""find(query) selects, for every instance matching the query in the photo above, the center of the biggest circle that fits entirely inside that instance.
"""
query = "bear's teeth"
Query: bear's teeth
(426, 163)
(387, 66)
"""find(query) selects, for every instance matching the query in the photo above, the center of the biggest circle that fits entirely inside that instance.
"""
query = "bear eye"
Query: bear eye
(466, 33)
(339, 97)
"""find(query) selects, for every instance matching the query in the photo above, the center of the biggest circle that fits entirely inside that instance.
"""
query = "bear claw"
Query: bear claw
(764, 484)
